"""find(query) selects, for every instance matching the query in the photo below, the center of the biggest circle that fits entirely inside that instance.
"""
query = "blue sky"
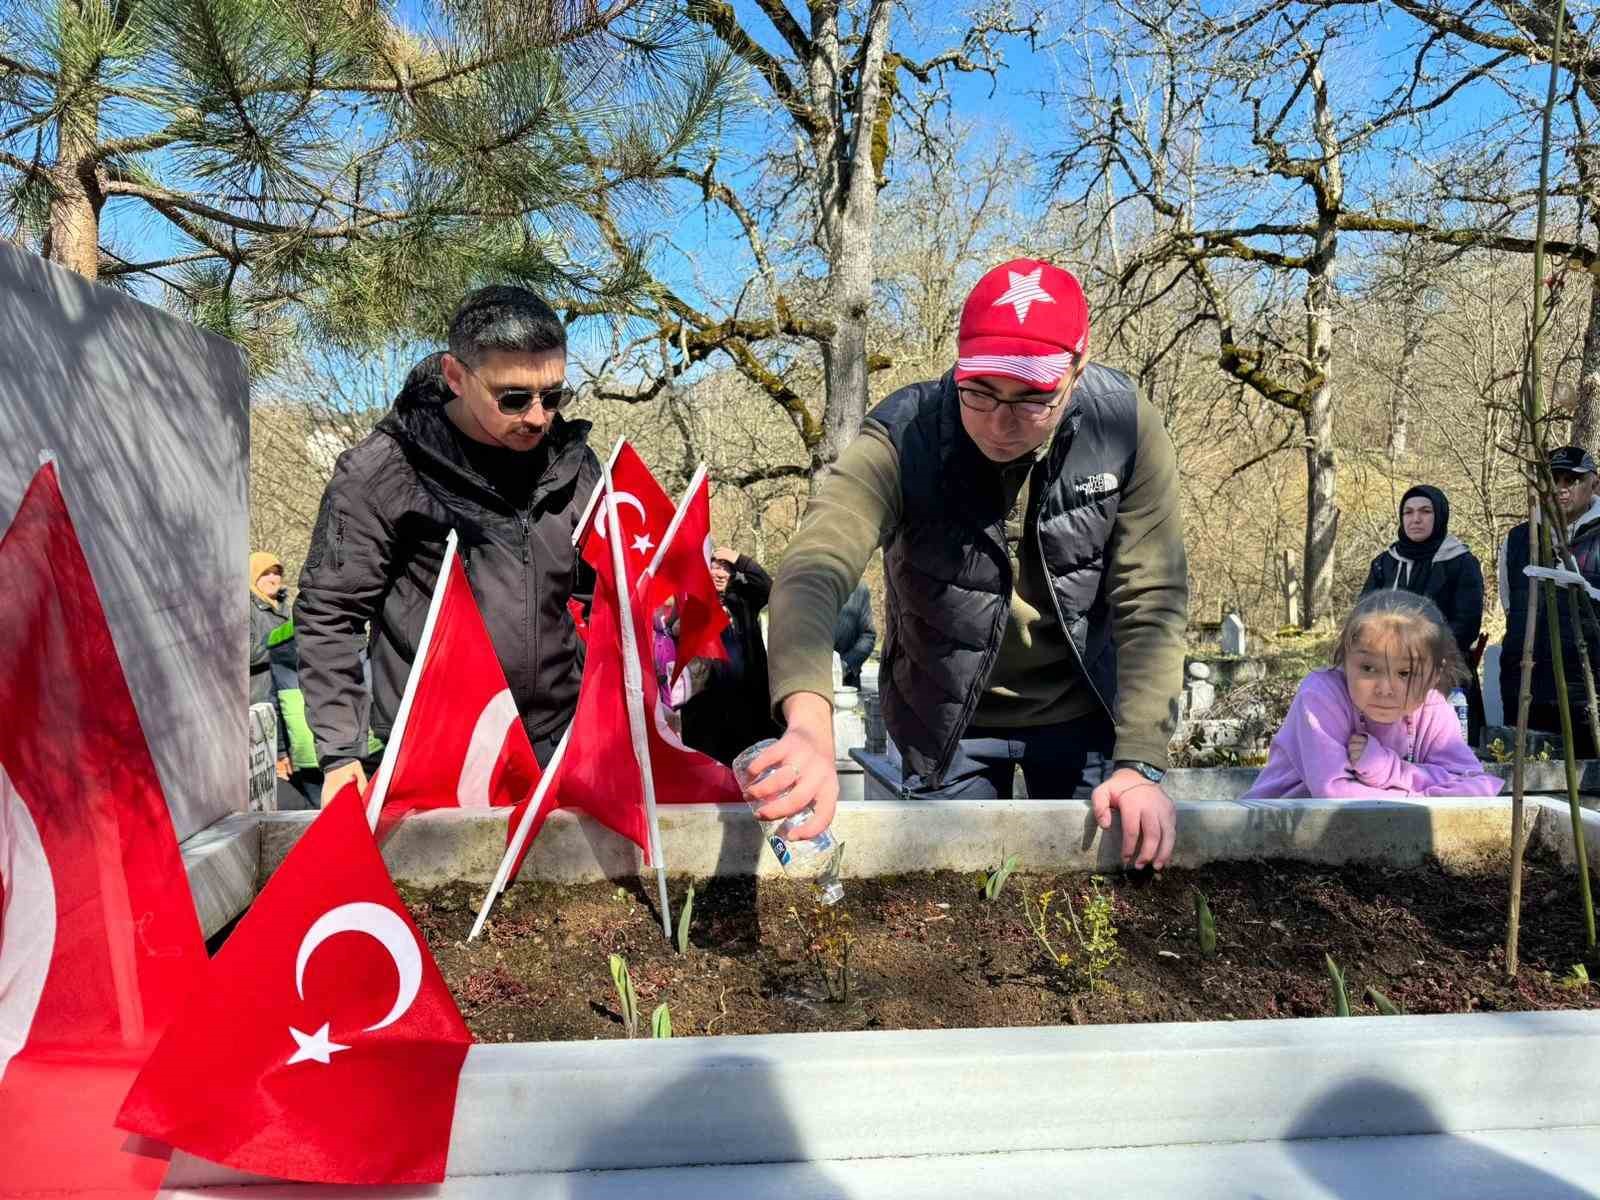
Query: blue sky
(1364, 68)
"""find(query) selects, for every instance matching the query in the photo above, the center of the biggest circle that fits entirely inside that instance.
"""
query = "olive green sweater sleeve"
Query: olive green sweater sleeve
(1148, 589)
(852, 513)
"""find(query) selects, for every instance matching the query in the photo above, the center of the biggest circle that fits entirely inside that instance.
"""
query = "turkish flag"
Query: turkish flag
(463, 745)
(98, 936)
(322, 1044)
(684, 574)
(599, 774)
(644, 512)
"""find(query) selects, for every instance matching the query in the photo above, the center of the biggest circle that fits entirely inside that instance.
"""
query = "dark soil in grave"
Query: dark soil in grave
(930, 952)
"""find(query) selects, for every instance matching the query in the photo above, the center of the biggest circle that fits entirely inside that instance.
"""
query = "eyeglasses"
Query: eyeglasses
(513, 401)
(1031, 408)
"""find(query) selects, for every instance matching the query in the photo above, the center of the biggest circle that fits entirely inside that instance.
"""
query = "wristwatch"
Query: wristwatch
(1153, 774)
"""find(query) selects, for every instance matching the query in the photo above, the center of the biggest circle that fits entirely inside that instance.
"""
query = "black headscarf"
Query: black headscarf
(1421, 552)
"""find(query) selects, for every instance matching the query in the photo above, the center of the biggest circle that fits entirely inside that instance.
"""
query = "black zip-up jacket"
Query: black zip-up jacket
(1583, 535)
(1452, 579)
(731, 711)
(378, 546)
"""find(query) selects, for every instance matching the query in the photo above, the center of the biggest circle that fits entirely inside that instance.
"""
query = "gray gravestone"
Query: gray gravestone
(1233, 640)
(149, 421)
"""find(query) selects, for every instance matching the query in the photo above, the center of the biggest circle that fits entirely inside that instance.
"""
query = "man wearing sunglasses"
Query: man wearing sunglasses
(1037, 595)
(476, 442)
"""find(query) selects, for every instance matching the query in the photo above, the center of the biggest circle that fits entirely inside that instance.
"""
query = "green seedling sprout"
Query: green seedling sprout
(1205, 925)
(1383, 1004)
(627, 998)
(1341, 998)
(996, 879)
(683, 921)
(661, 1022)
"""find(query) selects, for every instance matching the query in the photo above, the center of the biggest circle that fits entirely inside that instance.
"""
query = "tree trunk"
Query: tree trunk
(1322, 515)
(73, 239)
(1586, 410)
(1400, 411)
(846, 172)
(844, 359)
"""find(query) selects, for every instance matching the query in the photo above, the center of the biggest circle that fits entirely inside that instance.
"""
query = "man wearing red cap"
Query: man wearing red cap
(1037, 583)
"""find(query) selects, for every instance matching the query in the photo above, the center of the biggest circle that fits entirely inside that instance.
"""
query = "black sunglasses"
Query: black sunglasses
(518, 400)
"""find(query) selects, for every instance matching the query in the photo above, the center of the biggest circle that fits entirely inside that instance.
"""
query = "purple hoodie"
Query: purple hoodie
(1309, 756)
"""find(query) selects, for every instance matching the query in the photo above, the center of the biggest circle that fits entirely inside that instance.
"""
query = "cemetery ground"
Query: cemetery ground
(929, 951)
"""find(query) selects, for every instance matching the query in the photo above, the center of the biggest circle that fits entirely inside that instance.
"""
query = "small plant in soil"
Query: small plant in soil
(996, 879)
(1341, 997)
(825, 934)
(627, 998)
(1383, 1004)
(1095, 934)
(1205, 925)
(1577, 979)
(661, 1022)
(683, 921)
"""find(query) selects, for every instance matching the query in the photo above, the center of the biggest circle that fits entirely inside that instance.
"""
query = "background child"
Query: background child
(1375, 724)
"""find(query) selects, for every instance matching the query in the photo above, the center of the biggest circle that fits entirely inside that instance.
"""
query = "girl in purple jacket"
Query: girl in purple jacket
(1375, 724)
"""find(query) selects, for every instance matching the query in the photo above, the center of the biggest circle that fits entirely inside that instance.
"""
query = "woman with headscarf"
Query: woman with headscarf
(1431, 561)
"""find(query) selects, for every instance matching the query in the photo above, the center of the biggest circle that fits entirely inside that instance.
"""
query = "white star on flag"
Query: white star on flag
(314, 1047)
(642, 543)
(1022, 293)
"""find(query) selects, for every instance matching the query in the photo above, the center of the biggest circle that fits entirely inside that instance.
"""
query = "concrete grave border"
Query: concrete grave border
(1503, 1103)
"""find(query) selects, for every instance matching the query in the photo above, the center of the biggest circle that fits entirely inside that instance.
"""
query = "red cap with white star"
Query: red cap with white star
(1025, 319)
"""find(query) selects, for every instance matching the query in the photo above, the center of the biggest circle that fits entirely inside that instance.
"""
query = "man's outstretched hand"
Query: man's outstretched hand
(1149, 818)
(807, 773)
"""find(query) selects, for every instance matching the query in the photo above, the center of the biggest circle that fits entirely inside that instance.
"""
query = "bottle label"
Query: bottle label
(780, 848)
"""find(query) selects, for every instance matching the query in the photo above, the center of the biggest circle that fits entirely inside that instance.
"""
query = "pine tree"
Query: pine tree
(278, 169)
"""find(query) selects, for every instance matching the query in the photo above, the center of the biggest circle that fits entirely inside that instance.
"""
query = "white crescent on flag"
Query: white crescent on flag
(382, 925)
(27, 921)
(483, 751)
(621, 498)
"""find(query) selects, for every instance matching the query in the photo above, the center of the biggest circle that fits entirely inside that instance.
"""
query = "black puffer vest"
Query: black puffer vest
(948, 572)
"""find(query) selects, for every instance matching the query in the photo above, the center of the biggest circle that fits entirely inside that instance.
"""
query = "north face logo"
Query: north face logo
(1096, 485)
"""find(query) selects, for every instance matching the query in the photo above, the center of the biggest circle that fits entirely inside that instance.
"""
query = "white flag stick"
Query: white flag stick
(520, 838)
(677, 520)
(594, 496)
(633, 690)
(391, 749)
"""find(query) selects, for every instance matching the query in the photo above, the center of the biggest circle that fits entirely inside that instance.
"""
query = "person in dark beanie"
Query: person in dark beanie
(1576, 486)
(1431, 561)
(476, 442)
(855, 635)
(1036, 580)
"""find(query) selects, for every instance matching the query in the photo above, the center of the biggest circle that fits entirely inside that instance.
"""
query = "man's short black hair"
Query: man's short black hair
(512, 319)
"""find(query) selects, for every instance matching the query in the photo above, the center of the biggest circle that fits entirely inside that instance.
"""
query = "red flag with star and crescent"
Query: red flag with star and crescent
(464, 745)
(643, 513)
(684, 576)
(598, 776)
(99, 942)
(322, 1044)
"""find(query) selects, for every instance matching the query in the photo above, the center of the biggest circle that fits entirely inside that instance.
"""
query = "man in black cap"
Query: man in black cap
(1576, 487)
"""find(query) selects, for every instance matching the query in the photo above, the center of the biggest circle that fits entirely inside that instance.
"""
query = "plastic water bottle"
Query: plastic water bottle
(1458, 701)
(815, 859)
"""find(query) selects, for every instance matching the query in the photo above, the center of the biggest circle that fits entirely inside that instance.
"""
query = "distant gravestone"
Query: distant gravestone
(1202, 695)
(1233, 641)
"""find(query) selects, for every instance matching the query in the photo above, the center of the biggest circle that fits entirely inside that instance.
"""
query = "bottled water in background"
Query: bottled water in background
(1458, 701)
(814, 859)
